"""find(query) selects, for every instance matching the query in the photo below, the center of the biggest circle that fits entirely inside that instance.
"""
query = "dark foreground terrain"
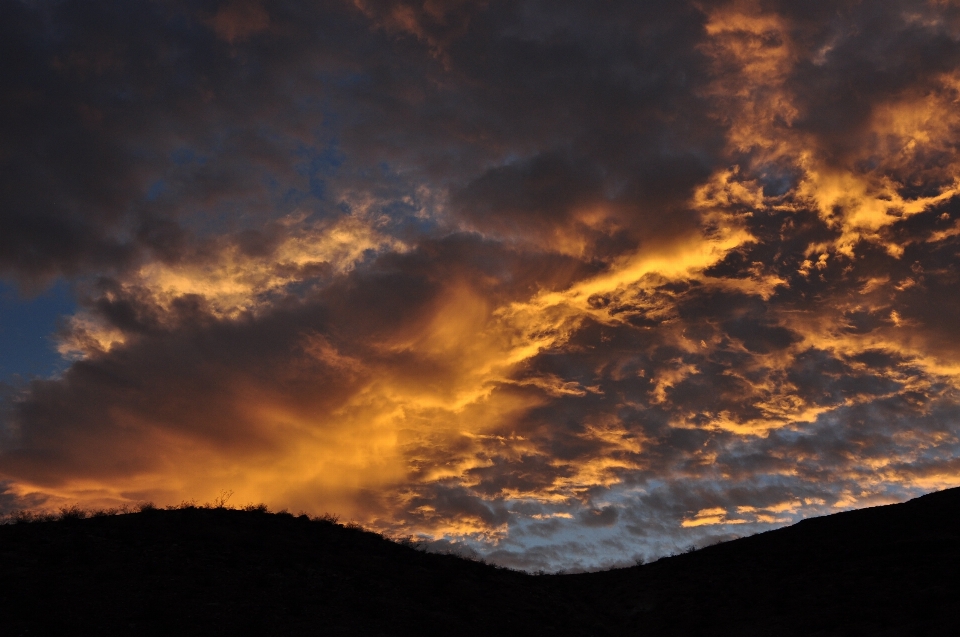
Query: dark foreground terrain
(891, 570)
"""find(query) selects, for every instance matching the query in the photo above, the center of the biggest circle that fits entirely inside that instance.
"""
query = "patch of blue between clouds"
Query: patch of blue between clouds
(156, 189)
(317, 165)
(27, 326)
(185, 155)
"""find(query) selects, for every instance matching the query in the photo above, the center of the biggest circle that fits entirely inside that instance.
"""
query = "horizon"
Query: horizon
(564, 285)
(221, 503)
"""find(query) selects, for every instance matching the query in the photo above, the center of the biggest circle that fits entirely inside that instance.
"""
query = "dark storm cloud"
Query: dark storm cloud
(122, 120)
(863, 55)
(77, 422)
(133, 126)
(607, 516)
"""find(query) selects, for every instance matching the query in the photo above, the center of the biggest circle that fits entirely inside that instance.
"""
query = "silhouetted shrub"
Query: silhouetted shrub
(220, 502)
(410, 542)
(72, 513)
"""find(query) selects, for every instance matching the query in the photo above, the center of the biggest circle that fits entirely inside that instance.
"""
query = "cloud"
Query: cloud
(238, 21)
(607, 516)
(559, 286)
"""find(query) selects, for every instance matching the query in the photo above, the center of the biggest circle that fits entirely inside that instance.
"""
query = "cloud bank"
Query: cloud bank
(563, 284)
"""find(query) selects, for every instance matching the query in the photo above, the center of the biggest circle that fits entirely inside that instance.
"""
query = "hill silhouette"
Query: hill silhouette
(892, 570)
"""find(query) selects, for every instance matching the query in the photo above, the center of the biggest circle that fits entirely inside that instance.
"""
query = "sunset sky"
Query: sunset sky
(564, 284)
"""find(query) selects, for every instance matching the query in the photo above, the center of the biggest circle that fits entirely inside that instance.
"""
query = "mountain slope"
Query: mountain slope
(220, 571)
(892, 570)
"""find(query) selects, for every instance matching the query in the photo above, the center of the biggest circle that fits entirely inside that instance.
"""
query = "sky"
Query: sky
(564, 285)
(28, 324)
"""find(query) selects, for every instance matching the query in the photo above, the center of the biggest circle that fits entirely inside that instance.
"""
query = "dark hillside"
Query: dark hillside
(891, 570)
(226, 572)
